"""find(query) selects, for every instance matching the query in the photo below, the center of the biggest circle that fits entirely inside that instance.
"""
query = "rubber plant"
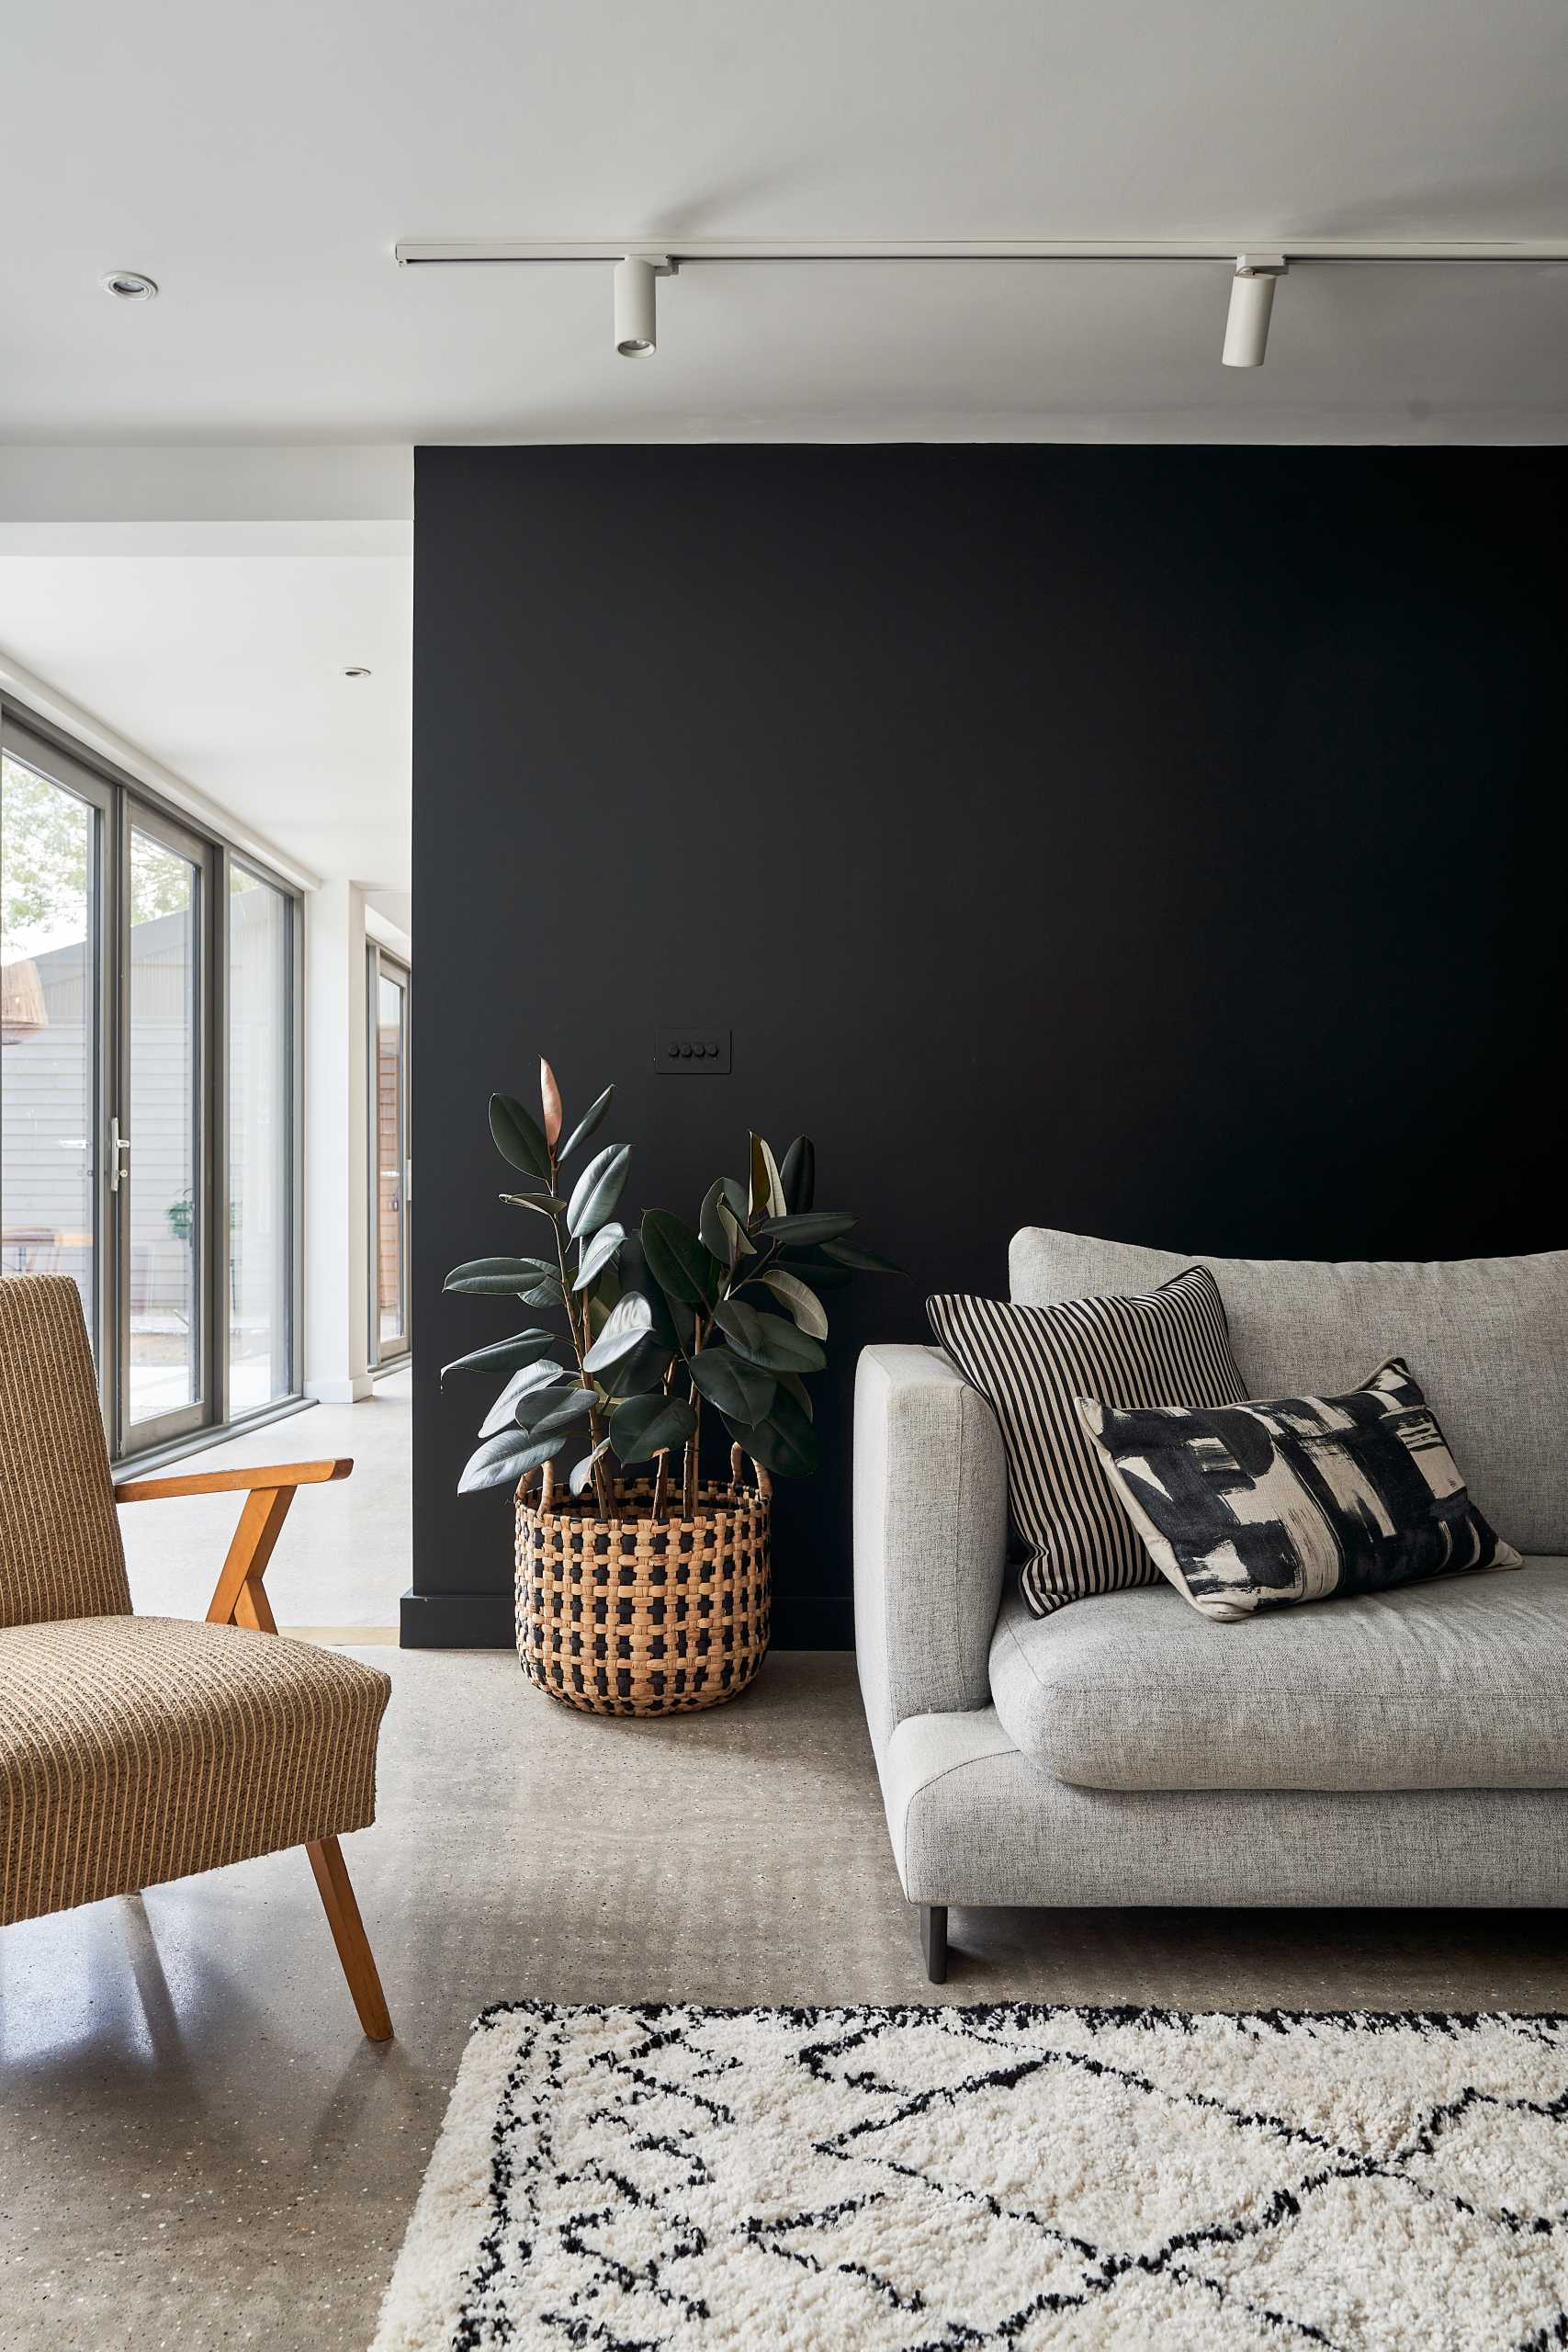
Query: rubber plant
(726, 1314)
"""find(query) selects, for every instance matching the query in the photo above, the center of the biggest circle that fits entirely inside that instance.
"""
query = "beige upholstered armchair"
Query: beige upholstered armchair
(137, 1749)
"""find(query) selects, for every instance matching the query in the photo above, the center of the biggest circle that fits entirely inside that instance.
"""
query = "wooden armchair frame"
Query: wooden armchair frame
(240, 1599)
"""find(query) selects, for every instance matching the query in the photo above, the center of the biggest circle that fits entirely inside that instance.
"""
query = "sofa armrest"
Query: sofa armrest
(930, 1537)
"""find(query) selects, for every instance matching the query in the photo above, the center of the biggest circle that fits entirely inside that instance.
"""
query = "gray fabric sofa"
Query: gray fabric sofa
(1401, 1749)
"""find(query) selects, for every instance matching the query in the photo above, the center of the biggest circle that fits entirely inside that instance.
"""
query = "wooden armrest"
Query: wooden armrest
(233, 1482)
(240, 1599)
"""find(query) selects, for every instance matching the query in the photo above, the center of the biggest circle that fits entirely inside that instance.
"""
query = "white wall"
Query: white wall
(338, 1173)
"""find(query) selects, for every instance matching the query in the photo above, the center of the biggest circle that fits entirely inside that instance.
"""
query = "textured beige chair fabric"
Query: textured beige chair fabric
(60, 1550)
(137, 1749)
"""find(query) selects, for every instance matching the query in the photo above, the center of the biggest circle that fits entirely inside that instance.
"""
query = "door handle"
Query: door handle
(119, 1152)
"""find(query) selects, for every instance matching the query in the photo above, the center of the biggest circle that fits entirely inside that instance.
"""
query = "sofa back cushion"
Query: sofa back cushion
(1487, 1338)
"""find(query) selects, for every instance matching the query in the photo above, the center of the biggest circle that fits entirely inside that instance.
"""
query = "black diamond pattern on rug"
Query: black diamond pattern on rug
(926, 2180)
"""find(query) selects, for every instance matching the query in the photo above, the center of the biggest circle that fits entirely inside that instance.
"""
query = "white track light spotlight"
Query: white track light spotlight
(1252, 300)
(636, 307)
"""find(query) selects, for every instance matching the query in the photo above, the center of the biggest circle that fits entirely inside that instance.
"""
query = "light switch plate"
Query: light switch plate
(690, 1049)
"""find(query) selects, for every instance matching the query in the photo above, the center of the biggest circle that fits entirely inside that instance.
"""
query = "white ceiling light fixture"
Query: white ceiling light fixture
(1252, 302)
(636, 302)
(1254, 271)
(129, 285)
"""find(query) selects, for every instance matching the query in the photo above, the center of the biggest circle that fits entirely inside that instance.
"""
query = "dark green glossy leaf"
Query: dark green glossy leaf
(597, 1190)
(784, 1444)
(677, 1260)
(499, 1277)
(811, 1226)
(741, 1390)
(767, 1193)
(600, 1253)
(865, 1262)
(793, 1448)
(721, 1227)
(500, 1415)
(627, 1326)
(735, 1229)
(548, 1409)
(582, 1472)
(674, 1322)
(714, 1236)
(503, 1355)
(502, 1461)
(546, 1292)
(799, 1391)
(518, 1137)
(806, 1308)
(545, 1202)
(586, 1125)
(798, 1175)
(767, 1339)
(645, 1425)
(812, 1267)
(642, 1371)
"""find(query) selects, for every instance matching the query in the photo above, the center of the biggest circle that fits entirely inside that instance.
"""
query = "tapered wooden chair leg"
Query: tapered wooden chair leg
(933, 1941)
(348, 1934)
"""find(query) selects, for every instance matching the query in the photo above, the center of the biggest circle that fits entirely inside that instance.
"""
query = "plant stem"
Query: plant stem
(694, 1443)
(694, 1451)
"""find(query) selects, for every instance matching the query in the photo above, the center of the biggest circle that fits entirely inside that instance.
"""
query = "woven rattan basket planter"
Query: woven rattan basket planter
(627, 1616)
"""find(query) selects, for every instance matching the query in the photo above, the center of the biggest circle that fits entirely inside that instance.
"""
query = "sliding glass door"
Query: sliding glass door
(161, 1173)
(261, 1140)
(387, 987)
(149, 1009)
(56, 858)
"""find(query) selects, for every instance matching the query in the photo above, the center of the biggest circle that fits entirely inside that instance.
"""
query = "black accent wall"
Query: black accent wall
(1165, 843)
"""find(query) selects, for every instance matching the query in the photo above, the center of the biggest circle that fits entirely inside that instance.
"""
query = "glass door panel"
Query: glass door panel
(161, 1189)
(51, 952)
(145, 1152)
(388, 1141)
(260, 1142)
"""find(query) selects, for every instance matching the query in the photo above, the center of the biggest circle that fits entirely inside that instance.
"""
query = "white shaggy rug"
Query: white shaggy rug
(939, 2179)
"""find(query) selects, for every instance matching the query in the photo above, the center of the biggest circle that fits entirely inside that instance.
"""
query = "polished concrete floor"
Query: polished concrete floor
(198, 2149)
(346, 1553)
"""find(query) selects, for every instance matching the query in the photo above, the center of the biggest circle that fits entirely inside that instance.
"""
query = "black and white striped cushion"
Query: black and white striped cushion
(1170, 1347)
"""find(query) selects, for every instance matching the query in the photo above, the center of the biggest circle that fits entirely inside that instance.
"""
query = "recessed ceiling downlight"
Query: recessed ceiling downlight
(130, 286)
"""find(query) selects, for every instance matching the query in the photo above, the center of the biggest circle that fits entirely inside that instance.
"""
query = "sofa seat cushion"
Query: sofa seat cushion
(136, 1750)
(1447, 1686)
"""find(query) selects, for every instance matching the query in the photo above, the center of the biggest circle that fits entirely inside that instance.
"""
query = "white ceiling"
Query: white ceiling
(222, 662)
(261, 167)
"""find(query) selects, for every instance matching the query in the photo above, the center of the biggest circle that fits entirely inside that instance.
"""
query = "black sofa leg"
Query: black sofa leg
(933, 1941)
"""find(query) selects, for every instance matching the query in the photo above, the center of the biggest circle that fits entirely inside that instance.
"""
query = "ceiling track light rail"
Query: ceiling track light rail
(416, 253)
(1255, 270)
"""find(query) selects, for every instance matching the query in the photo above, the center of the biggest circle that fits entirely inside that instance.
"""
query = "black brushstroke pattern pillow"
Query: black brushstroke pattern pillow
(1249, 1507)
